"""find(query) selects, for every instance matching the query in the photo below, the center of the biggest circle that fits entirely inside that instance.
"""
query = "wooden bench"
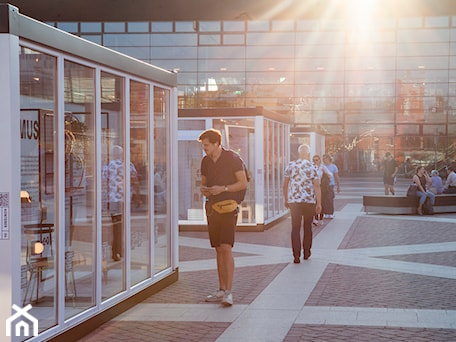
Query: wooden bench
(445, 203)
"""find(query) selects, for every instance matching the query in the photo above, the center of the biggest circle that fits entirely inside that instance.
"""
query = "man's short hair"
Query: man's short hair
(211, 134)
(387, 154)
(303, 149)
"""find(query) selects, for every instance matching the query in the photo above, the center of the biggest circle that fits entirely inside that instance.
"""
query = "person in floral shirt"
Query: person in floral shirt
(302, 195)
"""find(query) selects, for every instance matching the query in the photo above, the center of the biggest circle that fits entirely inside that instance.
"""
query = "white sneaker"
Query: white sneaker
(227, 299)
(331, 216)
(217, 296)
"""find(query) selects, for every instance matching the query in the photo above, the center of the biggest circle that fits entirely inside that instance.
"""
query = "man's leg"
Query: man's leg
(225, 266)
(307, 241)
(296, 219)
(386, 189)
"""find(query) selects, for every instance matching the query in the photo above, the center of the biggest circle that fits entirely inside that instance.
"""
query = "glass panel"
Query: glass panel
(423, 49)
(161, 198)
(113, 184)
(210, 26)
(229, 65)
(90, 27)
(225, 52)
(258, 25)
(190, 154)
(271, 38)
(234, 26)
(165, 26)
(307, 25)
(313, 64)
(68, 27)
(139, 151)
(114, 27)
(210, 39)
(410, 63)
(138, 26)
(436, 21)
(131, 39)
(38, 171)
(174, 39)
(282, 25)
(184, 26)
(270, 65)
(174, 53)
(79, 187)
(233, 39)
(266, 161)
(410, 22)
(423, 35)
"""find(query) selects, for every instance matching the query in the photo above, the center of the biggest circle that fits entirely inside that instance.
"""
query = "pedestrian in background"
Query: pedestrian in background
(390, 169)
(450, 183)
(222, 178)
(324, 176)
(334, 182)
(301, 192)
(436, 183)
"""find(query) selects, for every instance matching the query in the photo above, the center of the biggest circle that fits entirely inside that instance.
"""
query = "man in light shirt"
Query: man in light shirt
(450, 183)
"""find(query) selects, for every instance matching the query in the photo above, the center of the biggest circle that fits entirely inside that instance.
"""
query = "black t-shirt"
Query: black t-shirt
(222, 172)
(390, 166)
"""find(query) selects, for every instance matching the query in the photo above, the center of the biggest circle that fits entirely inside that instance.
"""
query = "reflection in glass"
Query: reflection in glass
(161, 195)
(38, 204)
(113, 184)
(139, 151)
(79, 188)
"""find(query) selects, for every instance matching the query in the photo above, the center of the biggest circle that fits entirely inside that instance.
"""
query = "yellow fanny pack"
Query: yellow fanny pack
(225, 207)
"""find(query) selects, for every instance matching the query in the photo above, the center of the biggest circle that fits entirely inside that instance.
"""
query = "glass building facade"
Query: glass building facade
(388, 87)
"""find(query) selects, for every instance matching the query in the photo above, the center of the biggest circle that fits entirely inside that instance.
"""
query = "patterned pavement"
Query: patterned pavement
(370, 278)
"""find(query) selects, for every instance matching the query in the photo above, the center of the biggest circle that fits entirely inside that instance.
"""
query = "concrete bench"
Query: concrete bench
(445, 203)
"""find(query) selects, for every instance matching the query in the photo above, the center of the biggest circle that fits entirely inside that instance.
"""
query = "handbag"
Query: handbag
(412, 189)
(225, 207)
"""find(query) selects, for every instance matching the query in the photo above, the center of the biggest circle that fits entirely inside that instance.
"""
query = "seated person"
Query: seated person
(450, 183)
(421, 180)
(437, 183)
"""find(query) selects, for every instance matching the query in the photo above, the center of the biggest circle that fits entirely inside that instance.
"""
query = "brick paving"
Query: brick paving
(339, 285)
(307, 332)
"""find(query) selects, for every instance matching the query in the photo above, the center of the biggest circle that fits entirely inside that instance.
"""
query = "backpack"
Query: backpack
(241, 194)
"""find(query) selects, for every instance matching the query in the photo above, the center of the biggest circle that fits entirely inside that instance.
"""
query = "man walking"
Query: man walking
(222, 178)
(390, 169)
(302, 195)
(334, 182)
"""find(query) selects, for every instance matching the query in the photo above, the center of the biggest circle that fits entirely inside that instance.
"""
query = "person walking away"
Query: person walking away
(450, 183)
(324, 176)
(222, 178)
(334, 182)
(390, 169)
(421, 180)
(436, 183)
(302, 195)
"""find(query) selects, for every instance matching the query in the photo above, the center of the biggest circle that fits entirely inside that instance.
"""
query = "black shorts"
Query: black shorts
(221, 227)
(388, 180)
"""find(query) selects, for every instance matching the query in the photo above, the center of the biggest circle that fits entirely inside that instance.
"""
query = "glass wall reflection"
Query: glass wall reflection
(161, 123)
(38, 199)
(140, 203)
(80, 215)
(113, 184)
